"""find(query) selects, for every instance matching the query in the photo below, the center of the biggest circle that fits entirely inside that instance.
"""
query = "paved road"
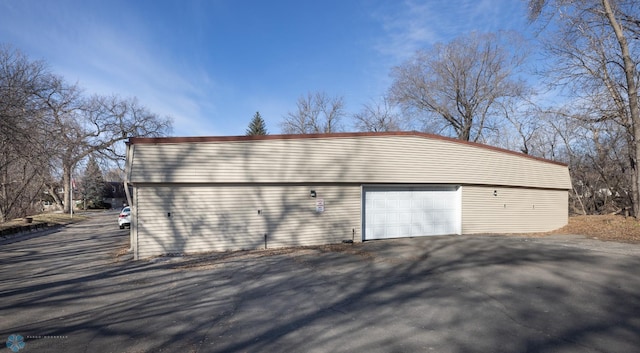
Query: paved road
(68, 292)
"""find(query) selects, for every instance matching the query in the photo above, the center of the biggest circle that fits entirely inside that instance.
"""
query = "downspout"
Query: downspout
(133, 226)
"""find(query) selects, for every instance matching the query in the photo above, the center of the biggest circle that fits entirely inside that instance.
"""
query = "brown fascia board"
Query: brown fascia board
(206, 139)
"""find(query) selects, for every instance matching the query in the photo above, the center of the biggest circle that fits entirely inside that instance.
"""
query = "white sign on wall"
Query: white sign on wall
(320, 205)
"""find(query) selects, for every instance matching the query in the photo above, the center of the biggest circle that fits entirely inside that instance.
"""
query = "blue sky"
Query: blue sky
(212, 64)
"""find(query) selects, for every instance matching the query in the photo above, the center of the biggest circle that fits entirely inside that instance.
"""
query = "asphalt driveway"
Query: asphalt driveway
(67, 291)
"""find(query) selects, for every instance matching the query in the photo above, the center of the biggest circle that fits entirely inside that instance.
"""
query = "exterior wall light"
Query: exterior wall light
(495, 192)
(312, 193)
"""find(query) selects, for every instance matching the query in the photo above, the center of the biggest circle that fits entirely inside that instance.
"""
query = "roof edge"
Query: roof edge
(206, 139)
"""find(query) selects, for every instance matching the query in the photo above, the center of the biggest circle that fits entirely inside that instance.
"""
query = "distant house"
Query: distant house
(115, 194)
(198, 194)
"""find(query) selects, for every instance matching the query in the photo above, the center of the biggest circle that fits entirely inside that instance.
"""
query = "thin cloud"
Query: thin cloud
(413, 25)
(405, 30)
(120, 64)
(108, 59)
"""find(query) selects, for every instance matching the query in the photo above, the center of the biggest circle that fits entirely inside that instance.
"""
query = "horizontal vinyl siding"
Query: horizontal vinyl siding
(513, 210)
(365, 160)
(216, 218)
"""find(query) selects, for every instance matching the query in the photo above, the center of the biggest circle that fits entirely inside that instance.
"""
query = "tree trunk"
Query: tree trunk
(634, 109)
(3, 209)
(635, 180)
(465, 133)
(54, 194)
(66, 186)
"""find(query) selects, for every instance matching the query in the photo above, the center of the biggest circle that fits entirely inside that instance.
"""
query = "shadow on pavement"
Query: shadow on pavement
(441, 294)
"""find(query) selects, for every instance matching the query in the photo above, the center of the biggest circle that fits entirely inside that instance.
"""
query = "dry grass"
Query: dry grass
(606, 227)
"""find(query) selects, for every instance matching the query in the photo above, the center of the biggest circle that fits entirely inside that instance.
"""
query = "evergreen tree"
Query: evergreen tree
(93, 185)
(257, 126)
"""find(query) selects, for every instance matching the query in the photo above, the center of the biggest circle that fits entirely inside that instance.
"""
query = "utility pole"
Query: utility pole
(71, 192)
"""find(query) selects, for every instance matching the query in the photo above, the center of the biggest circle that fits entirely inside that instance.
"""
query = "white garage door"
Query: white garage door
(396, 212)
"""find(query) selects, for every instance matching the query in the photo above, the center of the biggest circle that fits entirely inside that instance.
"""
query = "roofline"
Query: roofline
(205, 139)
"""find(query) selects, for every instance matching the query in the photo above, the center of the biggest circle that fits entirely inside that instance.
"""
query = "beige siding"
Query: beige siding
(363, 159)
(208, 217)
(213, 189)
(513, 210)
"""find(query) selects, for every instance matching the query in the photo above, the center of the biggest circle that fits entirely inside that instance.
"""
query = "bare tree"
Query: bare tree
(378, 116)
(97, 126)
(47, 126)
(457, 86)
(316, 113)
(63, 104)
(597, 48)
(522, 129)
(114, 174)
(597, 160)
(23, 149)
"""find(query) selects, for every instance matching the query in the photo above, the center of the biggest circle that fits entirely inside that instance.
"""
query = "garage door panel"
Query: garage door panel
(417, 228)
(379, 219)
(393, 212)
(379, 204)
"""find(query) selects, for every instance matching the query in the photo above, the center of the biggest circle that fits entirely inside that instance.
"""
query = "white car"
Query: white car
(124, 218)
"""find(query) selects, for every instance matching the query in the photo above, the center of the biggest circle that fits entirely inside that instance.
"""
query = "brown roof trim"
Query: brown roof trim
(205, 139)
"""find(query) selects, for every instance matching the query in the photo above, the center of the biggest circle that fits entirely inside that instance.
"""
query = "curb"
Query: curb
(29, 232)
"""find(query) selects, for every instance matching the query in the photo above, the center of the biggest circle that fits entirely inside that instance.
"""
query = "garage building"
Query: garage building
(195, 194)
